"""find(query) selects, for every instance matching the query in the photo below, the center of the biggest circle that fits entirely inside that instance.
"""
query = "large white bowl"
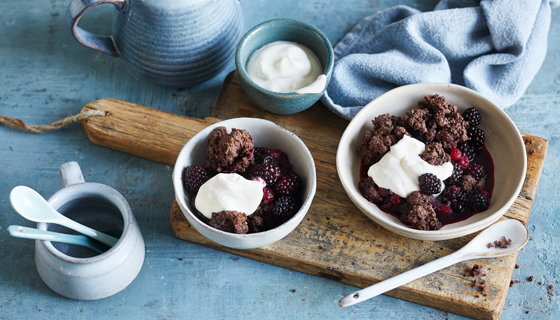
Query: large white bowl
(503, 140)
(268, 135)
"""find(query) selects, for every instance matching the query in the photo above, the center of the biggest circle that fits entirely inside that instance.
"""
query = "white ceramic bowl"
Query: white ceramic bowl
(268, 135)
(503, 140)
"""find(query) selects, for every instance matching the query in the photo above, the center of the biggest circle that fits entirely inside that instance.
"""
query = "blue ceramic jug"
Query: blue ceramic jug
(171, 42)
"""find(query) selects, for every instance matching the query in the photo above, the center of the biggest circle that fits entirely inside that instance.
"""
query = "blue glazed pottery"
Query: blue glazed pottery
(282, 30)
(171, 42)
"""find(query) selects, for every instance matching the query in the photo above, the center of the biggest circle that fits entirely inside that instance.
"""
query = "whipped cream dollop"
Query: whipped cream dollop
(284, 66)
(231, 192)
(400, 168)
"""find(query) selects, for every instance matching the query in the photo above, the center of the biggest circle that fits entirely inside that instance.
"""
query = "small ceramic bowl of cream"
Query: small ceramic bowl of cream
(284, 65)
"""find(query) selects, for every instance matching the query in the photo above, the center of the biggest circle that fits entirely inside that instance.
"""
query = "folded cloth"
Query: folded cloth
(493, 47)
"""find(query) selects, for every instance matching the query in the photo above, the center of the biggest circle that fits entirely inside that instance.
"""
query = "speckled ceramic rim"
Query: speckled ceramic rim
(241, 65)
(90, 190)
(373, 212)
(180, 194)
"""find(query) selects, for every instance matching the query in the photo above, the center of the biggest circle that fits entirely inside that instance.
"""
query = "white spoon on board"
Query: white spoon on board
(32, 206)
(476, 248)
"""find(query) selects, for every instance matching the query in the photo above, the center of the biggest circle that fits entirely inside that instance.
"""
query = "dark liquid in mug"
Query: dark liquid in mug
(96, 213)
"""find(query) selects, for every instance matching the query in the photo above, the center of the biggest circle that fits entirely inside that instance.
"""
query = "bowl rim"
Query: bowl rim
(349, 188)
(179, 191)
(242, 72)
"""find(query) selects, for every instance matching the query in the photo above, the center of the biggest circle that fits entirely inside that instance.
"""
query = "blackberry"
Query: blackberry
(455, 176)
(478, 202)
(477, 137)
(429, 183)
(458, 206)
(467, 150)
(486, 194)
(194, 177)
(284, 162)
(269, 172)
(259, 151)
(477, 171)
(264, 158)
(473, 116)
(289, 184)
(452, 193)
(285, 207)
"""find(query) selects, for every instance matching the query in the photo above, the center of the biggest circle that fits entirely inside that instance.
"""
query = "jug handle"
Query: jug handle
(76, 10)
(70, 173)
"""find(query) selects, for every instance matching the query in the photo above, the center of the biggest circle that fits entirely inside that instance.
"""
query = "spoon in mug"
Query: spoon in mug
(476, 248)
(36, 234)
(32, 206)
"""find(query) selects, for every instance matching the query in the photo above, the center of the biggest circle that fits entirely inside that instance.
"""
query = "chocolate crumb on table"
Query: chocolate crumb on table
(531, 278)
(475, 283)
(293, 290)
(517, 266)
(476, 270)
(541, 283)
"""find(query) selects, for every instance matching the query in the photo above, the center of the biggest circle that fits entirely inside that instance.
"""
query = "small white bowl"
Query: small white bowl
(266, 134)
(503, 141)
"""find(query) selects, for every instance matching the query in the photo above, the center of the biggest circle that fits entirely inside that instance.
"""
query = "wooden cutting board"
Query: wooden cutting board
(335, 240)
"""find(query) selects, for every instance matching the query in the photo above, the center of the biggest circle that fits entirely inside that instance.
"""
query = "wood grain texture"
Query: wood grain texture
(335, 240)
(145, 132)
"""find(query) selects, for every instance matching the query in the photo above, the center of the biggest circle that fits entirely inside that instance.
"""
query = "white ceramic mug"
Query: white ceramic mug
(77, 272)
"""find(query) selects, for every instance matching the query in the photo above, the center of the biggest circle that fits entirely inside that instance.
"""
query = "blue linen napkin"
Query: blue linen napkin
(493, 47)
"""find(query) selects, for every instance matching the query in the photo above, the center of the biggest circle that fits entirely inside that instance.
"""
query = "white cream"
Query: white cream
(231, 192)
(400, 168)
(284, 66)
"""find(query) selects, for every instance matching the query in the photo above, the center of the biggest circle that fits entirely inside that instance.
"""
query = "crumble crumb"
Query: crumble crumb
(476, 270)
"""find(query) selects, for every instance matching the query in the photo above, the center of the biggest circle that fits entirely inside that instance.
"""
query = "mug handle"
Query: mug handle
(70, 173)
(76, 10)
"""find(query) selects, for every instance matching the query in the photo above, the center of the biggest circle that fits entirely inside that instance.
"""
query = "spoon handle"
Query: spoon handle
(99, 236)
(401, 279)
(36, 234)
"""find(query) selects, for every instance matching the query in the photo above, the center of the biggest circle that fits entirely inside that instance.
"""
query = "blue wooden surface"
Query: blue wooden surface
(46, 75)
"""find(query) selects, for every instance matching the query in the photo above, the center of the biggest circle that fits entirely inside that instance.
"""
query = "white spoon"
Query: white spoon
(32, 206)
(36, 234)
(476, 248)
